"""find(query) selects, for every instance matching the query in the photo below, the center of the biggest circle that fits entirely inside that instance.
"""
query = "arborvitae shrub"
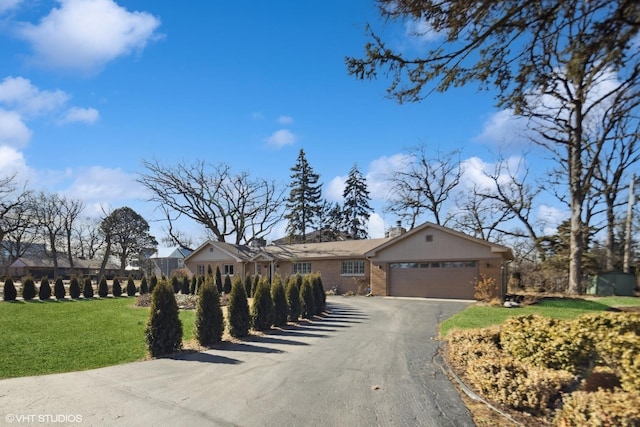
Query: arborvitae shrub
(201, 280)
(219, 280)
(293, 300)
(87, 289)
(116, 289)
(58, 289)
(209, 270)
(262, 307)
(248, 284)
(254, 285)
(103, 288)
(279, 301)
(184, 290)
(144, 287)
(153, 281)
(10, 292)
(307, 300)
(74, 288)
(164, 330)
(28, 288)
(226, 286)
(209, 322)
(239, 318)
(175, 284)
(45, 289)
(319, 296)
(131, 287)
(193, 288)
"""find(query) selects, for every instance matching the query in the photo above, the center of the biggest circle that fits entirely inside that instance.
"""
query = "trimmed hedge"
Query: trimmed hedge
(163, 330)
(74, 288)
(279, 299)
(45, 289)
(209, 321)
(307, 299)
(10, 291)
(262, 307)
(238, 316)
(58, 289)
(293, 299)
(116, 289)
(87, 289)
(28, 289)
(103, 288)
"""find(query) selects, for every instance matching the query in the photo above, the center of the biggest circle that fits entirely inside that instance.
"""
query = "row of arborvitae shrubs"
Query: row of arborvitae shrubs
(273, 304)
(77, 287)
(582, 372)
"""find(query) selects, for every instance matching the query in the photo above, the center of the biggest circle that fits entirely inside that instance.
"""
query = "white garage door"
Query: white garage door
(453, 279)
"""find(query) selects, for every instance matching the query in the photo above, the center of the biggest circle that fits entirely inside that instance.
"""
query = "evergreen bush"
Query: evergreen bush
(239, 318)
(193, 288)
(293, 299)
(248, 284)
(184, 290)
(116, 289)
(131, 287)
(10, 292)
(163, 330)
(103, 288)
(226, 287)
(74, 288)
(219, 280)
(254, 285)
(279, 301)
(45, 289)
(307, 300)
(175, 284)
(87, 289)
(209, 321)
(144, 287)
(319, 296)
(153, 281)
(262, 307)
(58, 289)
(28, 288)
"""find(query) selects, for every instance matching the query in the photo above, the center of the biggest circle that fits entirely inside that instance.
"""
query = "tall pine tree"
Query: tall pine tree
(304, 202)
(356, 204)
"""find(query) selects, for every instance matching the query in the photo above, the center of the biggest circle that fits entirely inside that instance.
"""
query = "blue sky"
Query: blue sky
(90, 88)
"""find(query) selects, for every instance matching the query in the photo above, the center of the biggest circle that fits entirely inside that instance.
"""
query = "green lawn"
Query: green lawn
(48, 337)
(478, 316)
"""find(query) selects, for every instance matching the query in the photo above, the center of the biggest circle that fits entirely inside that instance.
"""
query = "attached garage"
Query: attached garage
(432, 261)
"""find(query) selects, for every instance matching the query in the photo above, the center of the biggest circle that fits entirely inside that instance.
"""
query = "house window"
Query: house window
(353, 267)
(228, 269)
(301, 268)
(429, 238)
(200, 270)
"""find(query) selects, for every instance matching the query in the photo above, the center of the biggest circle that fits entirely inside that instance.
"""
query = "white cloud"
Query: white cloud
(334, 190)
(421, 31)
(83, 115)
(7, 5)
(104, 185)
(12, 161)
(285, 120)
(549, 217)
(504, 129)
(13, 131)
(18, 93)
(380, 171)
(377, 226)
(281, 138)
(86, 34)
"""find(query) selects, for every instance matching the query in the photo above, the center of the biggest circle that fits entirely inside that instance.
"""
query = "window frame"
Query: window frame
(353, 267)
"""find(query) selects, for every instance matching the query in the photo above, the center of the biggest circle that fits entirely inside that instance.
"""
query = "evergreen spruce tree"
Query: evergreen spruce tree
(304, 203)
(219, 280)
(116, 289)
(144, 287)
(279, 299)
(356, 204)
(28, 288)
(193, 287)
(239, 318)
(10, 292)
(163, 330)
(307, 300)
(209, 322)
(103, 287)
(153, 281)
(175, 284)
(131, 287)
(248, 284)
(58, 289)
(293, 299)
(319, 296)
(262, 307)
(185, 285)
(226, 287)
(74, 288)
(45, 289)
(87, 288)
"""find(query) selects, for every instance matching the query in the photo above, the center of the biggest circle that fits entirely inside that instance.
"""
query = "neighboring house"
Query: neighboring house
(428, 261)
(166, 260)
(39, 267)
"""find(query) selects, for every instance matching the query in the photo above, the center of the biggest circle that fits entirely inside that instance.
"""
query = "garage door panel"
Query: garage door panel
(433, 282)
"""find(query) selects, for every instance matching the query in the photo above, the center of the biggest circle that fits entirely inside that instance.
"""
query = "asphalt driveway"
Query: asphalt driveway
(369, 362)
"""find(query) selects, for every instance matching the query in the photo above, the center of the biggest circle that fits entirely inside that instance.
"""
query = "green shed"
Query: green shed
(613, 283)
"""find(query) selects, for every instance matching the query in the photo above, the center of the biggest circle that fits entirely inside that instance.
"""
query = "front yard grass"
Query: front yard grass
(481, 316)
(60, 336)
